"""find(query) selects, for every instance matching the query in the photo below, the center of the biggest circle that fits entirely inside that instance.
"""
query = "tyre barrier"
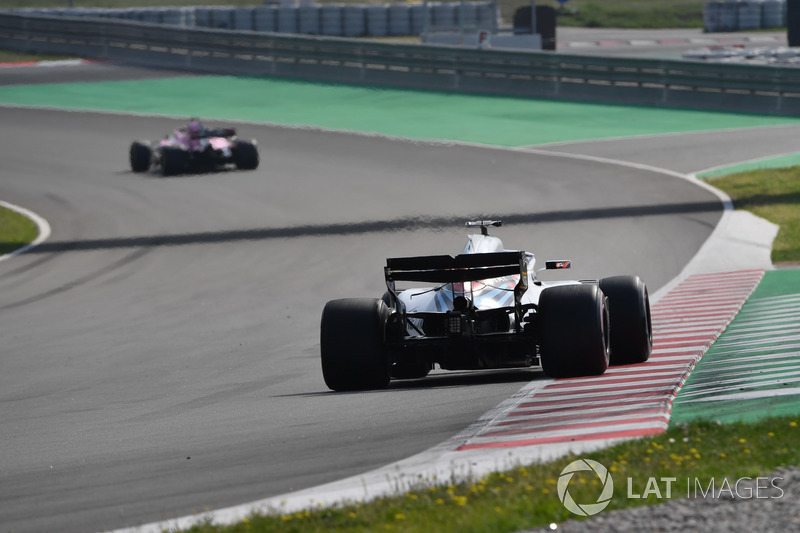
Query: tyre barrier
(308, 20)
(331, 19)
(743, 15)
(244, 18)
(287, 20)
(773, 14)
(400, 19)
(444, 16)
(377, 21)
(354, 21)
(418, 17)
(265, 19)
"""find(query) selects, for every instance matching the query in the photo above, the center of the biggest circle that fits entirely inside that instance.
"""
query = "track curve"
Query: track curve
(160, 352)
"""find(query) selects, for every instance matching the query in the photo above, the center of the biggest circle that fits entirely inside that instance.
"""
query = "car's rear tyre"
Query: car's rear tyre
(173, 160)
(245, 155)
(352, 344)
(574, 332)
(141, 155)
(631, 327)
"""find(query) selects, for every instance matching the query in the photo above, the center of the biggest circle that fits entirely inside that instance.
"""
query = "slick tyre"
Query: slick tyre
(245, 155)
(574, 331)
(352, 344)
(141, 155)
(173, 161)
(629, 311)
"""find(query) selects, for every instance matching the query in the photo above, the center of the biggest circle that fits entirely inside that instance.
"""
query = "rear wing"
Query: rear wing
(448, 269)
(461, 268)
(219, 132)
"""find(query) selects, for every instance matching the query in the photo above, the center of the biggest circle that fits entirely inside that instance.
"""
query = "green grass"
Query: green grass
(526, 497)
(629, 13)
(15, 231)
(773, 194)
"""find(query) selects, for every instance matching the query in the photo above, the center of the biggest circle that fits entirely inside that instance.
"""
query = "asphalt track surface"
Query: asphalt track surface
(160, 351)
(658, 43)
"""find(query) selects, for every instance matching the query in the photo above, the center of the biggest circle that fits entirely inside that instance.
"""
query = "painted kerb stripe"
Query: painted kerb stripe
(633, 400)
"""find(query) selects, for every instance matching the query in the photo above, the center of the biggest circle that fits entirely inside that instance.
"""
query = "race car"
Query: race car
(194, 148)
(483, 309)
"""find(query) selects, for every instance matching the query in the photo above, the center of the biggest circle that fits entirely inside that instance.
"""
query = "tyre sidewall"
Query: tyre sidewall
(141, 155)
(352, 344)
(631, 325)
(245, 155)
(574, 331)
(173, 160)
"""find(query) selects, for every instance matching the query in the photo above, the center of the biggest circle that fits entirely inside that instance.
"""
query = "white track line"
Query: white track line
(42, 225)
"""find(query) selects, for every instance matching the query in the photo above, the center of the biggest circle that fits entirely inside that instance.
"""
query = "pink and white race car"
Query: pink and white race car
(193, 148)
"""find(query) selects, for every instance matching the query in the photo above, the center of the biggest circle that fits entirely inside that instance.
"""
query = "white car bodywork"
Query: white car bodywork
(485, 294)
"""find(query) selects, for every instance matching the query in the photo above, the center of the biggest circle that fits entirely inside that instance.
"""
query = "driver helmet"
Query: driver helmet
(195, 128)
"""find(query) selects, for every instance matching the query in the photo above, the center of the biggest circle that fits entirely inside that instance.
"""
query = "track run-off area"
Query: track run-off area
(160, 350)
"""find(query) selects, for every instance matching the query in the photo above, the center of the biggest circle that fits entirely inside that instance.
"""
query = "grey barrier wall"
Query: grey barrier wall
(752, 88)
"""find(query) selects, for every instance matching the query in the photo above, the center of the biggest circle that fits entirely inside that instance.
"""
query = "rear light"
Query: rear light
(456, 323)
